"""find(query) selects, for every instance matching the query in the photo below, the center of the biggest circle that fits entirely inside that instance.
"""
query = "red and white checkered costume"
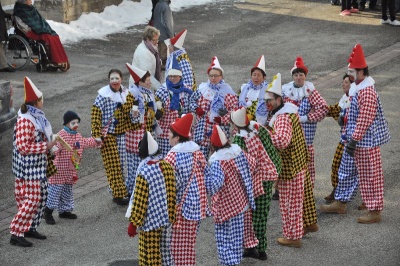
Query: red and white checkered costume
(66, 170)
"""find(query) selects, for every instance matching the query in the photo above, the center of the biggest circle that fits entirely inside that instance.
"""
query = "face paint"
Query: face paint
(74, 124)
(352, 73)
(115, 78)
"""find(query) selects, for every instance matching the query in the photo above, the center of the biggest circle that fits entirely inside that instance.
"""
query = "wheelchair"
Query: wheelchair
(21, 51)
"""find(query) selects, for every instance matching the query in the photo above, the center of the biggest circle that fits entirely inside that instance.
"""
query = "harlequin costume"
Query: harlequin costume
(111, 119)
(312, 108)
(207, 102)
(182, 58)
(229, 183)
(61, 196)
(252, 97)
(366, 131)
(190, 167)
(32, 131)
(146, 104)
(174, 101)
(153, 204)
(257, 143)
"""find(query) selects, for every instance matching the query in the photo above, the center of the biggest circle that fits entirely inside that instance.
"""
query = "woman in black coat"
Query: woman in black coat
(3, 38)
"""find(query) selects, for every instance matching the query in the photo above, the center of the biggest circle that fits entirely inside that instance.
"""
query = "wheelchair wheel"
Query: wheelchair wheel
(39, 68)
(18, 52)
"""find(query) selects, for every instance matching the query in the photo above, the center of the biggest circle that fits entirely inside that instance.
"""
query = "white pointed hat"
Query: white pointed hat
(136, 73)
(218, 137)
(147, 146)
(275, 86)
(239, 117)
(32, 93)
(215, 65)
(260, 64)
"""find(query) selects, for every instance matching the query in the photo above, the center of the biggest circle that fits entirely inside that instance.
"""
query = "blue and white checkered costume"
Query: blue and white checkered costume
(60, 197)
(186, 67)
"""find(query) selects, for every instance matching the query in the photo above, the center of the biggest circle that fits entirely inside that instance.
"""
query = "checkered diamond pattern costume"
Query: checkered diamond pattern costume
(367, 125)
(186, 66)
(252, 98)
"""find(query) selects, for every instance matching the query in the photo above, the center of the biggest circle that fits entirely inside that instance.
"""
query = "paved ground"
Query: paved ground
(237, 32)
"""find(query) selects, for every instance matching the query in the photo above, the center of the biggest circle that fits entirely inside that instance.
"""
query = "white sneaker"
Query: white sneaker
(395, 23)
(385, 21)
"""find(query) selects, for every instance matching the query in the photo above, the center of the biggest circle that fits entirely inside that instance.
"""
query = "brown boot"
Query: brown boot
(330, 197)
(335, 207)
(370, 217)
(311, 228)
(289, 242)
(362, 207)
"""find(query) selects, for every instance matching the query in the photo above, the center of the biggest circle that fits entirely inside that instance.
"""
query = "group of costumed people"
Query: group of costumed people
(184, 163)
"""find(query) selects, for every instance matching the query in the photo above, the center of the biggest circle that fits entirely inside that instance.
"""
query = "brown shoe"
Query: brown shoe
(330, 197)
(362, 207)
(289, 242)
(311, 228)
(370, 217)
(335, 207)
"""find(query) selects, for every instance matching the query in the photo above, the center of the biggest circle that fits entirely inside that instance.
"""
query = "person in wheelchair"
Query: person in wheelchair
(38, 29)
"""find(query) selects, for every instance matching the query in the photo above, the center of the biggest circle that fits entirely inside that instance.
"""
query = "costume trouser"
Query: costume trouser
(149, 248)
(229, 237)
(113, 166)
(392, 9)
(30, 196)
(164, 146)
(337, 158)
(165, 247)
(61, 197)
(260, 215)
(3, 60)
(133, 161)
(291, 194)
(347, 187)
(183, 243)
(311, 164)
(250, 240)
(309, 207)
(370, 174)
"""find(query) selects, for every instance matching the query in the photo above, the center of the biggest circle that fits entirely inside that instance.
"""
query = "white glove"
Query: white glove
(98, 140)
(54, 149)
(159, 105)
(303, 119)
(254, 125)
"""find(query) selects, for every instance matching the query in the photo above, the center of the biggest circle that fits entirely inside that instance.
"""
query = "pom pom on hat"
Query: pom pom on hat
(32, 93)
(183, 125)
(275, 87)
(174, 69)
(357, 59)
(147, 146)
(239, 117)
(299, 63)
(215, 65)
(136, 73)
(260, 64)
(218, 137)
(69, 116)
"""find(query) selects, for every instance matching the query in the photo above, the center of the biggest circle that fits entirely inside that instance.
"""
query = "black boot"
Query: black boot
(121, 201)
(275, 196)
(48, 216)
(250, 253)
(20, 241)
(67, 215)
(32, 233)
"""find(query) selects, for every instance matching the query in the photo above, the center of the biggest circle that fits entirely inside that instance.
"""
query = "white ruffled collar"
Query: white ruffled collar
(107, 92)
(367, 82)
(288, 108)
(344, 102)
(225, 154)
(298, 94)
(187, 146)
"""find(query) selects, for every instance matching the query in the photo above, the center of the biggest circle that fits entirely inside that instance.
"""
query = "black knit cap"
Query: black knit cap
(69, 116)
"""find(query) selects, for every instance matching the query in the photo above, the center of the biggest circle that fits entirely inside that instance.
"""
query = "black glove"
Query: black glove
(7, 15)
(119, 105)
(351, 147)
(150, 105)
(222, 112)
(136, 102)
(341, 121)
(158, 114)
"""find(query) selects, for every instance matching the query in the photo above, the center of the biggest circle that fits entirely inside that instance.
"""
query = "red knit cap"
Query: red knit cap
(183, 125)
(299, 63)
(357, 59)
(218, 137)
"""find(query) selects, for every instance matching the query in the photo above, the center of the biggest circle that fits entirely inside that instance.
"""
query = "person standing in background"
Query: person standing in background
(389, 4)
(164, 22)
(3, 38)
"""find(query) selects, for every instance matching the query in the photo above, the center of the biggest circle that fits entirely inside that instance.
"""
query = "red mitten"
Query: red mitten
(132, 230)
(199, 111)
(217, 120)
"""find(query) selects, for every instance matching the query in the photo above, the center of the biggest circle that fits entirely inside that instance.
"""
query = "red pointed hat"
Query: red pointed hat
(357, 59)
(299, 63)
(218, 137)
(32, 93)
(260, 64)
(136, 73)
(183, 125)
(179, 39)
(215, 65)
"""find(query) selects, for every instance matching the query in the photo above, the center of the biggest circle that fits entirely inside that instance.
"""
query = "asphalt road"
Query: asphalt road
(238, 32)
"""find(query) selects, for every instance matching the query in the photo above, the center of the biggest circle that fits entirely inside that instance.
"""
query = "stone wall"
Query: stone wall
(66, 10)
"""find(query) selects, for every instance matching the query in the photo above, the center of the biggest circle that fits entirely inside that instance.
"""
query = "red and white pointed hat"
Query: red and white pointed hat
(357, 58)
(299, 63)
(147, 146)
(136, 73)
(239, 117)
(215, 65)
(260, 64)
(275, 87)
(179, 39)
(183, 125)
(32, 93)
(218, 137)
